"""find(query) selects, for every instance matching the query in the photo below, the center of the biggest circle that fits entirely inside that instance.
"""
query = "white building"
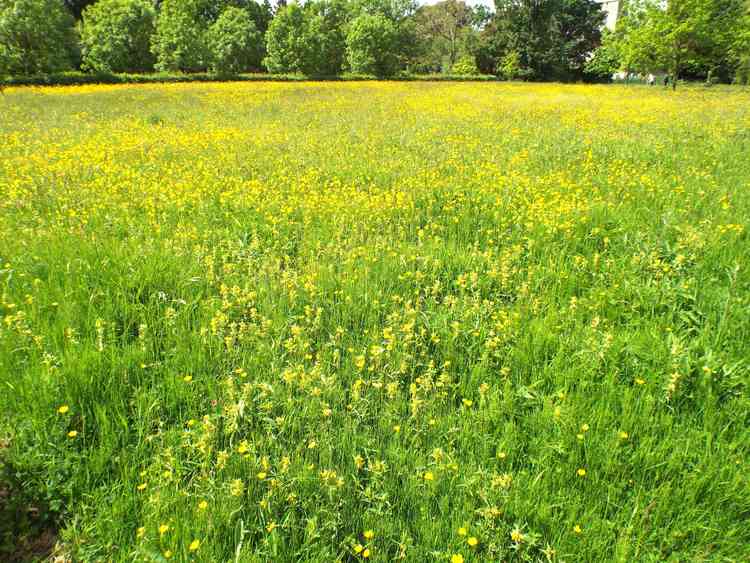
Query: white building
(612, 9)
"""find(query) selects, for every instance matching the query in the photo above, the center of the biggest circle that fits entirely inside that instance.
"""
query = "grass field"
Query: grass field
(347, 321)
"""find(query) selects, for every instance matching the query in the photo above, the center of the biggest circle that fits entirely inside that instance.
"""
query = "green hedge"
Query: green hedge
(80, 78)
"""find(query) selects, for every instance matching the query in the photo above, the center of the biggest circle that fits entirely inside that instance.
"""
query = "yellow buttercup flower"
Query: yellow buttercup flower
(194, 545)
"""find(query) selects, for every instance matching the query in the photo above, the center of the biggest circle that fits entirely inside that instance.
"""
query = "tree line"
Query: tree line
(521, 39)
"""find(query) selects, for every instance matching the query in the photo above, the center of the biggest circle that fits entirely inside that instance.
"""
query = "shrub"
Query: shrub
(116, 35)
(510, 66)
(36, 37)
(371, 45)
(466, 65)
(234, 41)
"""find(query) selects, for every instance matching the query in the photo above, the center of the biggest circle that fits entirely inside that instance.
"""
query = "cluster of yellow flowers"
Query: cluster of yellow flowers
(349, 319)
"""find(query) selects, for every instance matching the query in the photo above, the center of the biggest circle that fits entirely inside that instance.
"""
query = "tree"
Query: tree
(36, 36)
(116, 35)
(234, 41)
(76, 7)
(686, 38)
(307, 39)
(401, 14)
(180, 41)
(444, 29)
(553, 38)
(371, 45)
(739, 50)
(607, 58)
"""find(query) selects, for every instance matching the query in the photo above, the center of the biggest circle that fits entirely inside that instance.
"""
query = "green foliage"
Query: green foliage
(116, 36)
(371, 45)
(553, 38)
(686, 38)
(446, 33)
(235, 42)
(307, 39)
(181, 40)
(77, 7)
(607, 58)
(179, 43)
(36, 37)
(466, 65)
(510, 66)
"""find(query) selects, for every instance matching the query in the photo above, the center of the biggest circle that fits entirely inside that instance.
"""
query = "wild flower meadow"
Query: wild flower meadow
(378, 321)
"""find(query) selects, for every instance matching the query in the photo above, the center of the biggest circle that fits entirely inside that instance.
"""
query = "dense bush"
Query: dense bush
(116, 35)
(371, 45)
(234, 42)
(466, 65)
(36, 37)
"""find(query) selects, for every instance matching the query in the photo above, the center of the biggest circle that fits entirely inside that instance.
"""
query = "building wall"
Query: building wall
(611, 7)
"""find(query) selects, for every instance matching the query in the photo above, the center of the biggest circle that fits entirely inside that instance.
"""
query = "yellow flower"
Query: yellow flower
(640, 381)
(358, 548)
(72, 434)
(141, 487)
(397, 428)
(168, 554)
(194, 545)
(462, 531)
(63, 409)
(581, 472)
(428, 476)
(163, 529)
(584, 428)
(262, 475)
(472, 541)
(366, 553)
(271, 527)
(577, 529)
(140, 532)
(203, 505)
(188, 379)
(457, 558)
(468, 402)
(369, 534)
(623, 435)
(516, 536)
